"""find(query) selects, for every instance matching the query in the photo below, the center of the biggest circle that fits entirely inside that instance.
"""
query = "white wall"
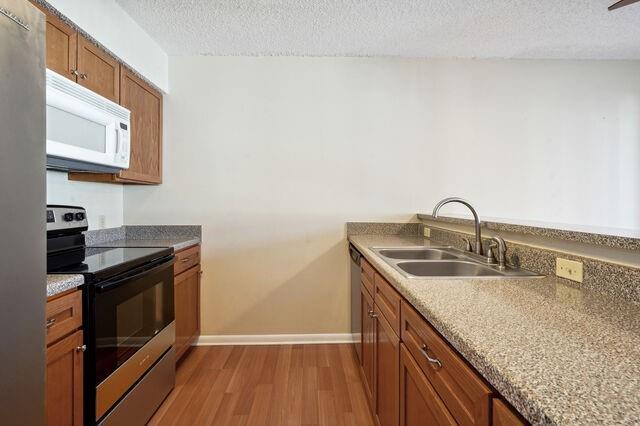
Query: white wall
(108, 23)
(273, 155)
(104, 202)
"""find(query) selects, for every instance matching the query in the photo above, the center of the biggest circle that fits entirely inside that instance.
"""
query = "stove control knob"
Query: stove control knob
(68, 217)
(80, 216)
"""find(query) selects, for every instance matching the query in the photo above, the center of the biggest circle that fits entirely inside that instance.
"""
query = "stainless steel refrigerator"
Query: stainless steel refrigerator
(22, 214)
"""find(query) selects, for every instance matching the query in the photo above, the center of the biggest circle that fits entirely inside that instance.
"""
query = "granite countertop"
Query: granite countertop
(178, 243)
(57, 284)
(559, 354)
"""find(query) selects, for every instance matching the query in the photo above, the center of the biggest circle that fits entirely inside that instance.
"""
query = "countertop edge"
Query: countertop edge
(57, 284)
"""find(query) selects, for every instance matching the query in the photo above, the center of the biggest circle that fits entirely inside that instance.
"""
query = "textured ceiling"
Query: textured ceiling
(411, 28)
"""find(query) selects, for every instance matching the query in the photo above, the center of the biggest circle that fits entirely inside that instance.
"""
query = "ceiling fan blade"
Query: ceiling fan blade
(622, 3)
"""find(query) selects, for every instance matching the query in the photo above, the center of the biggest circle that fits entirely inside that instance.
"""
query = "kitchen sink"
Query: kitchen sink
(445, 262)
(458, 268)
(417, 254)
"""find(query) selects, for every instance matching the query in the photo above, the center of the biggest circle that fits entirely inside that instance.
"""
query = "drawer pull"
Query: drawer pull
(50, 322)
(434, 361)
(371, 314)
(186, 259)
(81, 348)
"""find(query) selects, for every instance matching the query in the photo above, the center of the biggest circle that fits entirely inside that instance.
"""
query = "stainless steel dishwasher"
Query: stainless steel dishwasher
(356, 326)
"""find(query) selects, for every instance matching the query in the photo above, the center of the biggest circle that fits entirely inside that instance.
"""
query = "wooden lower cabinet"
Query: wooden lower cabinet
(387, 350)
(419, 402)
(64, 382)
(187, 308)
(505, 416)
(65, 353)
(368, 340)
(411, 375)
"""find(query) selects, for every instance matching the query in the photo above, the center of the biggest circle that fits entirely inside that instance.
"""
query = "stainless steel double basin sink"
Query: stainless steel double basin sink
(444, 262)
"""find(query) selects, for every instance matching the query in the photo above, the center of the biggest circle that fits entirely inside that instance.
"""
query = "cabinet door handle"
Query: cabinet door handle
(81, 348)
(50, 322)
(434, 361)
(83, 76)
(371, 314)
(75, 72)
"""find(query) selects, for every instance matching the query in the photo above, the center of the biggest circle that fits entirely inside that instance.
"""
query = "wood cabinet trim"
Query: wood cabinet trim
(63, 316)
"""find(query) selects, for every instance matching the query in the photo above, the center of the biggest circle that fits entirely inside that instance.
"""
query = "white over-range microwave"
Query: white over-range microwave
(85, 131)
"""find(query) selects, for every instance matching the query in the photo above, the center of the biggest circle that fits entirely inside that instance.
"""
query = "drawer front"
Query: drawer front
(464, 393)
(367, 271)
(186, 259)
(368, 284)
(64, 315)
(388, 301)
(419, 402)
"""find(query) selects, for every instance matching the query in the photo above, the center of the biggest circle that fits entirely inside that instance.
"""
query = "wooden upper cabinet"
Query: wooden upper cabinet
(145, 104)
(62, 42)
(97, 70)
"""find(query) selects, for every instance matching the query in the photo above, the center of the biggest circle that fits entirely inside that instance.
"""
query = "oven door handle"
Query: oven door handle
(110, 285)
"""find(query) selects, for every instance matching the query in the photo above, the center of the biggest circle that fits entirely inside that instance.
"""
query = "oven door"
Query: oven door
(134, 326)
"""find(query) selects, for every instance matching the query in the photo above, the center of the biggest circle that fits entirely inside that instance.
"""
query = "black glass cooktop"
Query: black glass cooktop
(105, 262)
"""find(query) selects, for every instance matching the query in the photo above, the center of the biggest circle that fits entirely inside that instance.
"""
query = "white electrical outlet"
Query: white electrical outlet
(427, 232)
(569, 269)
(102, 221)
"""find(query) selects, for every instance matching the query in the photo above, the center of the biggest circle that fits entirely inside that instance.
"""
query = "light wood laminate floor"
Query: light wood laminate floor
(267, 385)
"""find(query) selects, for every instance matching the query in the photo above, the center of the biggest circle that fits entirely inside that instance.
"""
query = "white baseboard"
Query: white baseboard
(274, 339)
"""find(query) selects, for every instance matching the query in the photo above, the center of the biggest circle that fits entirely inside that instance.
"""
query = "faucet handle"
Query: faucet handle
(467, 246)
(491, 258)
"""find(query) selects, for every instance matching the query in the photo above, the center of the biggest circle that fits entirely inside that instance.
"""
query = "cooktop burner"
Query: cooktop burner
(105, 262)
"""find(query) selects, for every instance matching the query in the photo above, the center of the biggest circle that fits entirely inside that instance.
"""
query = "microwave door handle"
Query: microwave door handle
(118, 141)
(110, 285)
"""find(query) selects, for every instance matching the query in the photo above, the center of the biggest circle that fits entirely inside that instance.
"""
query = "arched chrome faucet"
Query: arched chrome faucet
(478, 244)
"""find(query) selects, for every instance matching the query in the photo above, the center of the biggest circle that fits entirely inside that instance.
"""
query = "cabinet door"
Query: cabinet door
(145, 104)
(97, 70)
(64, 381)
(368, 336)
(62, 45)
(419, 402)
(387, 352)
(187, 308)
(505, 416)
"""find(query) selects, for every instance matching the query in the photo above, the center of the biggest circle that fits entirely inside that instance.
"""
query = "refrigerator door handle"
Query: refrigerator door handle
(15, 18)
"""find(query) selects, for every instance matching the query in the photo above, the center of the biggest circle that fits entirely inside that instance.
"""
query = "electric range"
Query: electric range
(128, 319)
